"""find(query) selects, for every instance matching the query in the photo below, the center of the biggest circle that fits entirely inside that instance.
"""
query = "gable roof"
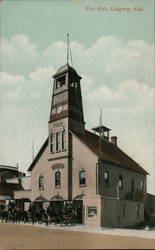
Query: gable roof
(110, 152)
(42, 149)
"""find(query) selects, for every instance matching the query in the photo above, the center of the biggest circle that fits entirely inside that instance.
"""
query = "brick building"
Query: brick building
(88, 167)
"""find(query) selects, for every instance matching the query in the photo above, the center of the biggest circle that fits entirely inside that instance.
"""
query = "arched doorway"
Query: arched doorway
(56, 202)
(39, 202)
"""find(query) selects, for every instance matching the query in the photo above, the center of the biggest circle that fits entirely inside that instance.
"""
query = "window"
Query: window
(92, 211)
(63, 140)
(106, 178)
(132, 185)
(124, 209)
(142, 185)
(2, 179)
(60, 81)
(138, 210)
(57, 179)
(120, 181)
(74, 84)
(82, 177)
(52, 143)
(57, 141)
(41, 182)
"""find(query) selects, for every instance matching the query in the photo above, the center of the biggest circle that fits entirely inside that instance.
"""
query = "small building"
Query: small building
(84, 167)
(7, 187)
(150, 209)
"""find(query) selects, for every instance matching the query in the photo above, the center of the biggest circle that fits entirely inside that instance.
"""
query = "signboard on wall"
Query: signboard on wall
(92, 211)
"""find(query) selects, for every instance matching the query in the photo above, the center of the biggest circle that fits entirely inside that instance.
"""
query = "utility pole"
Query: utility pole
(98, 170)
(32, 150)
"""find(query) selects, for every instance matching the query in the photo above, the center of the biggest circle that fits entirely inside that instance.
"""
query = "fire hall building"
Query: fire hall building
(78, 165)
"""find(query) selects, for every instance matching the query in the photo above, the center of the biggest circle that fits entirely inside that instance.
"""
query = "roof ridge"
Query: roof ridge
(112, 153)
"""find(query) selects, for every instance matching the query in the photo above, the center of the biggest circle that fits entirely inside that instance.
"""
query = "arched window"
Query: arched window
(106, 178)
(142, 185)
(82, 177)
(120, 181)
(52, 142)
(58, 142)
(63, 140)
(60, 81)
(57, 179)
(41, 182)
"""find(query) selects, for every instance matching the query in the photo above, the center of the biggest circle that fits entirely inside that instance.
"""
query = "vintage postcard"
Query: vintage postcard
(77, 141)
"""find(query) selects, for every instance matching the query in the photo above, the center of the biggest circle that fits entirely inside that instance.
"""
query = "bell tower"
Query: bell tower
(67, 99)
(66, 116)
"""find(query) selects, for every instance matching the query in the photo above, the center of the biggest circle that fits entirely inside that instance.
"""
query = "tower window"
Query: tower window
(57, 179)
(58, 142)
(60, 81)
(63, 140)
(52, 143)
(74, 84)
(120, 181)
(41, 182)
(82, 177)
(106, 178)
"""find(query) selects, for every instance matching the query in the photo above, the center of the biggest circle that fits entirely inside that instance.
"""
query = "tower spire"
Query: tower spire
(69, 53)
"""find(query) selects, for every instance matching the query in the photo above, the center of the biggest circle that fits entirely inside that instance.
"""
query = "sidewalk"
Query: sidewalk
(143, 233)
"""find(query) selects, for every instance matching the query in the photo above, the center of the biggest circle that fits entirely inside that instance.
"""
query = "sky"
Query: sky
(112, 44)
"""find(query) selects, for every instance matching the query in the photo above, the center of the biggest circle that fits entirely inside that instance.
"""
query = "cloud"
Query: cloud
(19, 54)
(86, 83)
(19, 87)
(108, 61)
(116, 75)
(130, 95)
(41, 75)
(11, 87)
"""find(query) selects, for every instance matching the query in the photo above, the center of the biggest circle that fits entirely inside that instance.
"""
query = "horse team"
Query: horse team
(67, 214)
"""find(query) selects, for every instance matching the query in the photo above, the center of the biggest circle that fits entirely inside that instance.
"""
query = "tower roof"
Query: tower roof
(103, 128)
(64, 69)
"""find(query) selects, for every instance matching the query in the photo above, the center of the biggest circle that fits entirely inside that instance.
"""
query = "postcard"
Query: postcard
(77, 100)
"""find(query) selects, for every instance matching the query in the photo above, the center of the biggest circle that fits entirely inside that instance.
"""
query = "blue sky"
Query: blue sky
(113, 52)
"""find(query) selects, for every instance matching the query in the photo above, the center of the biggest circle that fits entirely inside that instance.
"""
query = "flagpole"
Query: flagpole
(100, 133)
(67, 48)
(100, 152)
(32, 150)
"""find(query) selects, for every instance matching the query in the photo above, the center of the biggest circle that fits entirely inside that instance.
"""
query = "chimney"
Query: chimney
(114, 140)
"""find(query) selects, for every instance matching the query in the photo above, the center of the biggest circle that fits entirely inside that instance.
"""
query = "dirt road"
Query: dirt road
(14, 236)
